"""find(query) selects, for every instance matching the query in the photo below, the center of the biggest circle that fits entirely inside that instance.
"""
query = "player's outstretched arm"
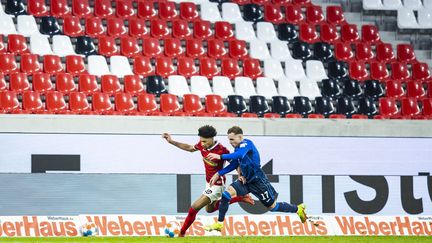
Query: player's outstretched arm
(184, 146)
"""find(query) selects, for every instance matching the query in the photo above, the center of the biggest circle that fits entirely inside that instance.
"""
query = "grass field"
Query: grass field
(308, 239)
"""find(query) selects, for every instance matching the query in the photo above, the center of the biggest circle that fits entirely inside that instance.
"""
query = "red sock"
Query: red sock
(189, 220)
(233, 200)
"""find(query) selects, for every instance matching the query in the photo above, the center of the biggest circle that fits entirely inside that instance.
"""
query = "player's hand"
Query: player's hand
(167, 137)
(242, 179)
(212, 156)
(214, 178)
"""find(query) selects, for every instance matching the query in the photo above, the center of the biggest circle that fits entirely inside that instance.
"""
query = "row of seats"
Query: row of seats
(379, 70)
(396, 4)
(406, 19)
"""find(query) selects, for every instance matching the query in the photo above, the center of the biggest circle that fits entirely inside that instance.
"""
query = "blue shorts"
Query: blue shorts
(260, 187)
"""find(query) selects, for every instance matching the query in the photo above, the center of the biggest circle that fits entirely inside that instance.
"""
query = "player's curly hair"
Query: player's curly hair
(207, 131)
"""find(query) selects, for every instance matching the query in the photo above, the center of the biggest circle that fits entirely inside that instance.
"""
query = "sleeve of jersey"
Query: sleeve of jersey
(232, 166)
(239, 154)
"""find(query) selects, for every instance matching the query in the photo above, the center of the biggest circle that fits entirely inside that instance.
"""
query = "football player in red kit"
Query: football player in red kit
(212, 194)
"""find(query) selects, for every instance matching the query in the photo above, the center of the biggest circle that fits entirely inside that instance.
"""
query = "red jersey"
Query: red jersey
(212, 166)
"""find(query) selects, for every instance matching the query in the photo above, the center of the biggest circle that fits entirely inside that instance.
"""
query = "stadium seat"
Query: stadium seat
(3, 85)
(266, 32)
(110, 84)
(146, 10)
(281, 105)
(167, 10)
(210, 12)
(49, 26)
(202, 30)
(279, 50)
(72, 26)
(137, 28)
(7, 25)
(337, 70)
(294, 14)
(142, 66)
(181, 30)
(287, 32)
(178, 85)
(18, 82)
(129, 47)
(170, 104)
(147, 104)
(62, 46)
(314, 14)
(116, 27)
(252, 13)
(39, 44)
(309, 88)
(373, 4)
(410, 107)
(424, 18)
(373, 88)
(30, 63)
(107, 46)
(329, 33)
(330, 88)
(294, 70)
(159, 29)
(230, 68)
(37, 8)
(101, 104)
(352, 88)
(103, 9)
(367, 107)
(164, 67)
(97, 65)
(420, 71)
(427, 108)
(65, 83)
(9, 102)
(335, 15)
(273, 69)
(308, 33)
(208, 67)
(8, 63)
(41, 82)
(405, 53)
(244, 86)
(266, 87)
(302, 51)
(26, 25)
(259, 50)
(349, 33)
(245, 31)
(81, 8)
(133, 85)
(399, 71)
(32, 103)
(379, 71)
(406, 19)
(273, 14)
(124, 104)
(358, 71)
(186, 67)
(236, 104)
(388, 107)
(78, 103)
(323, 52)
(192, 105)
(231, 13)
(85, 46)
(151, 47)
(222, 86)
(302, 106)
(200, 86)
(17, 44)
(287, 87)
(364, 52)
(60, 8)
(415, 89)
(394, 89)
(88, 84)
(384, 53)
(194, 48)
(344, 52)
(94, 27)
(216, 49)
(324, 106)
(370, 34)
(214, 104)
(345, 106)
(55, 103)
(258, 105)
(124, 9)
(155, 85)
(315, 70)
(188, 11)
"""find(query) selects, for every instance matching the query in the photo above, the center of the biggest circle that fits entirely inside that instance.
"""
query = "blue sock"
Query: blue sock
(223, 206)
(284, 207)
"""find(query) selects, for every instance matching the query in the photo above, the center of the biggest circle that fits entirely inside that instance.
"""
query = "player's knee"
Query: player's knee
(209, 209)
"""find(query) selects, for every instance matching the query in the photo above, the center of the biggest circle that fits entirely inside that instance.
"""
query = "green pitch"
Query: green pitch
(306, 239)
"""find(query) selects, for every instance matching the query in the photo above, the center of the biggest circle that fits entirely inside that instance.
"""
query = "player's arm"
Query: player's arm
(232, 166)
(184, 146)
(238, 154)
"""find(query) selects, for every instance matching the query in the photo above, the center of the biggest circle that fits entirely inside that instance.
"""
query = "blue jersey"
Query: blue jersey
(247, 157)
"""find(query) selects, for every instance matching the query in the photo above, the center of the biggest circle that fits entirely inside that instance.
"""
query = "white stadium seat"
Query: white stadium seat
(39, 44)
(266, 87)
(62, 46)
(200, 86)
(26, 25)
(266, 32)
(178, 85)
(288, 88)
(315, 70)
(245, 31)
(222, 86)
(231, 13)
(273, 69)
(259, 50)
(210, 12)
(280, 51)
(244, 86)
(97, 65)
(120, 66)
(294, 70)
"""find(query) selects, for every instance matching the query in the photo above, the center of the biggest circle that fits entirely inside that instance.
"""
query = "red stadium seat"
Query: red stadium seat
(164, 67)
(55, 103)
(169, 104)
(384, 52)
(167, 10)
(52, 64)
(60, 8)
(405, 53)
(214, 104)
(379, 71)
(101, 104)
(343, 52)
(30, 63)
(273, 14)
(409, 107)
(110, 84)
(420, 71)
(142, 66)
(358, 71)
(133, 85)
(125, 104)
(159, 29)
(147, 104)
(88, 84)
(146, 10)
(17, 44)
(223, 30)
(302, 2)
(308, 33)
(116, 27)
(394, 89)
(188, 11)
(216, 49)
(75, 65)
(42, 82)
(314, 14)
(192, 105)
(107, 46)
(9, 102)
(173, 47)
(329, 33)
(208, 67)
(18, 82)
(252, 68)
(349, 33)
(137, 28)
(3, 85)
(124, 8)
(37, 8)
(129, 47)
(194, 48)
(72, 26)
(370, 34)
(230, 68)
(78, 103)
(65, 83)
(94, 27)
(81, 8)
(388, 108)
(427, 108)
(181, 30)
(186, 67)
(359, 116)
(294, 14)
(399, 71)
(151, 47)
(202, 30)
(103, 8)
(238, 49)
(364, 52)
(415, 90)
(32, 103)
(335, 15)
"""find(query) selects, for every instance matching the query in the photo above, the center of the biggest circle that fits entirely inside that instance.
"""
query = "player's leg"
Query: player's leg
(215, 205)
(201, 202)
